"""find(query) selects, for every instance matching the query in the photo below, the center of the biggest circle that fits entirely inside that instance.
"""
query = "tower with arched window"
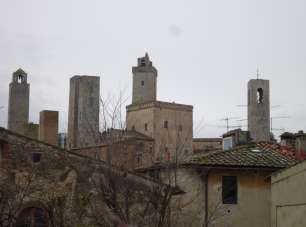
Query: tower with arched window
(18, 108)
(259, 109)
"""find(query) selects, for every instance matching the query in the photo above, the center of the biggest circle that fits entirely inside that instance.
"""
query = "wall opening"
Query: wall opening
(32, 217)
(20, 79)
(165, 124)
(259, 95)
(229, 190)
(143, 62)
(36, 157)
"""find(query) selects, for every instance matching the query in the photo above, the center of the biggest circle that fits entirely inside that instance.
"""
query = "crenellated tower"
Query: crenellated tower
(144, 81)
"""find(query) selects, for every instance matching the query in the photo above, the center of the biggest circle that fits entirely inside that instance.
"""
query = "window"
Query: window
(165, 124)
(155, 174)
(142, 83)
(146, 126)
(133, 127)
(36, 157)
(180, 128)
(143, 62)
(259, 95)
(229, 190)
(139, 159)
(20, 79)
(32, 217)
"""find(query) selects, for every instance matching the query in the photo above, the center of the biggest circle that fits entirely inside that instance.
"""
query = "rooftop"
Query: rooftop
(252, 155)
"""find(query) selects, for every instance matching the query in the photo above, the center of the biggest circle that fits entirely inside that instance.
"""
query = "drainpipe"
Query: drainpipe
(205, 179)
(206, 198)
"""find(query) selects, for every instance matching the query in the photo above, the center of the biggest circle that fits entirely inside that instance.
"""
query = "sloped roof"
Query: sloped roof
(124, 134)
(252, 155)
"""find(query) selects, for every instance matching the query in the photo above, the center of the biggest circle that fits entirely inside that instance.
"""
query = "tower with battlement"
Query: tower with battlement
(18, 108)
(259, 109)
(144, 81)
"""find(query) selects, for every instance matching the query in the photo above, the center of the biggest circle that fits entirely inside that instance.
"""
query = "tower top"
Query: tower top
(20, 76)
(144, 61)
(144, 64)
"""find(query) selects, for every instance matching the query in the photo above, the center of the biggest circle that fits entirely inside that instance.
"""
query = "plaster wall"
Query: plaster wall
(288, 197)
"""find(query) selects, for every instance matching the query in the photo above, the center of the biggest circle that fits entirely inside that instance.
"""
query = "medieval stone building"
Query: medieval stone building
(42, 185)
(169, 124)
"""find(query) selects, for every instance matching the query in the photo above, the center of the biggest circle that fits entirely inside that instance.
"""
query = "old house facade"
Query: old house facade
(225, 188)
(288, 197)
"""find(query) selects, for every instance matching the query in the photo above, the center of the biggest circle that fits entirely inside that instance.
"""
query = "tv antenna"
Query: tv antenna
(257, 74)
(271, 122)
(227, 119)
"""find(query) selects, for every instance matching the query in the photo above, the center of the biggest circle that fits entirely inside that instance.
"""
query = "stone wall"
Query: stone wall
(169, 124)
(289, 197)
(206, 144)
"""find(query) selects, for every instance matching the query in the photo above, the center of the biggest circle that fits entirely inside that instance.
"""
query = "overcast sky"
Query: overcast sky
(205, 52)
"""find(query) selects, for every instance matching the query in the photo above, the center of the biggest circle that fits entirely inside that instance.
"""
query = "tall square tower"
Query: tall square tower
(18, 108)
(144, 81)
(83, 118)
(169, 124)
(259, 109)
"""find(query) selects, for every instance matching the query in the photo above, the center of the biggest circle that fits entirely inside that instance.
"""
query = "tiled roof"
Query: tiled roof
(253, 155)
(124, 134)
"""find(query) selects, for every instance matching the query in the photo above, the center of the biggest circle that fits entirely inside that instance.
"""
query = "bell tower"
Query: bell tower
(259, 109)
(144, 81)
(18, 109)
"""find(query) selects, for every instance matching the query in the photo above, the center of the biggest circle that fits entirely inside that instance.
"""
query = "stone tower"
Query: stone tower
(259, 109)
(144, 81)
(83, 118)
(48, 127)
(169, 124)
(18, 109)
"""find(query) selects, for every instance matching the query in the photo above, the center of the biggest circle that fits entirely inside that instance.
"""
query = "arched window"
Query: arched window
(32, 217)
(259, 95)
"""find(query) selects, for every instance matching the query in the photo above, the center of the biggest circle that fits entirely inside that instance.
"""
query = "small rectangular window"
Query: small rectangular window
(139, 159)
(146, 126)
(180, 128)
(142, 83)
(229, 190)
(165, 124)
(36, 157)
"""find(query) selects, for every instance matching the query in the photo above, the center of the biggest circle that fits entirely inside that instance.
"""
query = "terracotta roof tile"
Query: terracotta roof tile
(257, 155)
